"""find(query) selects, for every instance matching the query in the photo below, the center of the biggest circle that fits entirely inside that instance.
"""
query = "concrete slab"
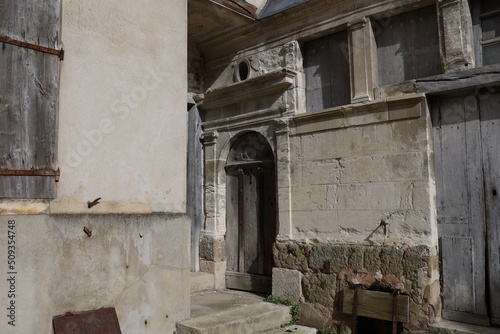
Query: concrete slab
(232, 312)
(453, 327)
(214, 302)
(294, 329)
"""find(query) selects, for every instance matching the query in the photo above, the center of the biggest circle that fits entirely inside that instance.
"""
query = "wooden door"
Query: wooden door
(467, 144)
(490, 131)
(251, 224)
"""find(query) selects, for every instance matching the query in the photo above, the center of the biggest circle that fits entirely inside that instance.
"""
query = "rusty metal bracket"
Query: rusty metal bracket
(31, 172)
(59, 53)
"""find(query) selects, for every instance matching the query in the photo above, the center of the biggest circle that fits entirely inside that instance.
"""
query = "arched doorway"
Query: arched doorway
(250, 214)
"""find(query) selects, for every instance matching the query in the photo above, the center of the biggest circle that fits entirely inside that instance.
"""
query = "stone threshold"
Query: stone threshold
(452, 327)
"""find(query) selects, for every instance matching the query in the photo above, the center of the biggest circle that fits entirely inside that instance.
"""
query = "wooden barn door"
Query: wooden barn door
(250, 215)
(466, 133)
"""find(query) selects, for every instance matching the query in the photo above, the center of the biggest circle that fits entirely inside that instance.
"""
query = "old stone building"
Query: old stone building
(349, 143)
(92, 164)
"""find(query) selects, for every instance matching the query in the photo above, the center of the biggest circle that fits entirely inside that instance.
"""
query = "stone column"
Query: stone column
(455, 35)
(209, 146)
(282, 132)
(212, 246)
(363, 60)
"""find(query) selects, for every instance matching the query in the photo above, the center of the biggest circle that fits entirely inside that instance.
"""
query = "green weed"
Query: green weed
(294, 308)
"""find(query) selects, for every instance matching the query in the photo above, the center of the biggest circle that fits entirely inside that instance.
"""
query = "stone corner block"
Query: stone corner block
(287, 284)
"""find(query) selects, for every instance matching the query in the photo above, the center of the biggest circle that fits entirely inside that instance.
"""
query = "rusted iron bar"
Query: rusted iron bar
(30, 172)
(59, 53)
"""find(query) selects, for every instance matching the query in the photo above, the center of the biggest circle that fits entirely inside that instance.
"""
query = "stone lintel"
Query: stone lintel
(393, 108)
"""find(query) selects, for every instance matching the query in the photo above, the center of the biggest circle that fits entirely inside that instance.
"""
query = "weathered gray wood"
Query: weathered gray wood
(458, 274)
(276, 6)
(194, 203)
(376, 304)
(250, 211)
(28, 96)
(490, 130)
(232, 222)
(466, 317)
(36, 22)
(248, 282)
(408, 47)
(251, 225)
(460, 204)
(326, 66)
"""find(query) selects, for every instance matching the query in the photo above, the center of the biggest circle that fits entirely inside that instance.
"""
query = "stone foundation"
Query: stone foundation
(326, 269)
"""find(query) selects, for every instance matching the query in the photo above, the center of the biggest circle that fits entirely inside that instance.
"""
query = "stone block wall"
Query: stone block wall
(349, 181)
(361, 201)
(321, 270)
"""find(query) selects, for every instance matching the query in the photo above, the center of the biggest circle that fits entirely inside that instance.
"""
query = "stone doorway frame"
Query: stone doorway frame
(217, 145)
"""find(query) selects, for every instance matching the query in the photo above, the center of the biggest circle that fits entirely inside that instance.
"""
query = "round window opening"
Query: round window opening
(242, 71)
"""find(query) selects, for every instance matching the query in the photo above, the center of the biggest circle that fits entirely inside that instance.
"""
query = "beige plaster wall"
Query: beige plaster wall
(122, 109)
(122, 125)
(124, 264)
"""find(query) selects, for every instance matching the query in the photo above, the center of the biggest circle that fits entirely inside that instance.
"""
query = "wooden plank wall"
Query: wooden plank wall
(326, 66)
(490, 130)
(460, 206)
(408, 46)
(28, 96)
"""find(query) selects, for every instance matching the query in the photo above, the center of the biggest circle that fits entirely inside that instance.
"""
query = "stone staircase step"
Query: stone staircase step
(201, 281)
(245, 319)
(294, 329)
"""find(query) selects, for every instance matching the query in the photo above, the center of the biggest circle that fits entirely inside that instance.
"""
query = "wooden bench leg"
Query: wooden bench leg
(395, 313)
(355, 311)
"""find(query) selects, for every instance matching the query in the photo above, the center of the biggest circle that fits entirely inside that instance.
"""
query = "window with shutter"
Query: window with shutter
(29, 78)
(486, 19)
(408, 46)
(326, 66)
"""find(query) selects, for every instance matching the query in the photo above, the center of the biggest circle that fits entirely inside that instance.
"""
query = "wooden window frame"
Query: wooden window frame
(477, 23)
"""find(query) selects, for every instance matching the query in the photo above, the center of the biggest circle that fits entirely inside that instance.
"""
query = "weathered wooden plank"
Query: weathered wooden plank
(481, 77)
(466, 317)
(458, 274)
(251, 223)
(28, 96)
(28, 100)
(460, 203)
(490, 130)
(36, 22)
(248, 282)
(326, 66)
(408, 47)
(232, 222)
(376, 304)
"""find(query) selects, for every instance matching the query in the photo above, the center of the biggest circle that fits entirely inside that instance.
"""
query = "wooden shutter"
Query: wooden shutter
(408, 46)
(29, 78)
(326, 65)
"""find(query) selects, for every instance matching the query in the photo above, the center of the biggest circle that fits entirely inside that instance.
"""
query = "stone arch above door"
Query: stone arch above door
(250, 147)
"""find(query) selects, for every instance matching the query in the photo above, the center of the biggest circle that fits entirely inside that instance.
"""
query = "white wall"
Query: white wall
(122, 109)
